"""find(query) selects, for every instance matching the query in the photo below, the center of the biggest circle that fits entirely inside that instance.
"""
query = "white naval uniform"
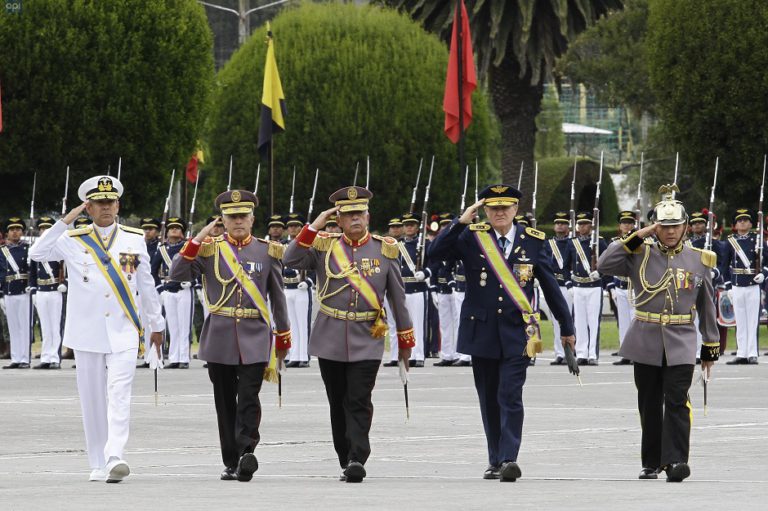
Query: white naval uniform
(299, 314)
(104, 339)
(48, 305)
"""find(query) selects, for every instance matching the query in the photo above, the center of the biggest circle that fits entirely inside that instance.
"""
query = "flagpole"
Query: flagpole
(460, 49)
(271, 179)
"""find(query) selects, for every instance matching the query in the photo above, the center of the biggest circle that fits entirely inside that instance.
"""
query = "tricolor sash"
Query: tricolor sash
(353, 276)
(511, 286)
(248, 286)
(114, 277)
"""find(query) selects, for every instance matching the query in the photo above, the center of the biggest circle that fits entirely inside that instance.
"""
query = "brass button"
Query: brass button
(472, 318)
(499, 311)
(351, 304)
(501, 298)
(237, 321)
(501, 287)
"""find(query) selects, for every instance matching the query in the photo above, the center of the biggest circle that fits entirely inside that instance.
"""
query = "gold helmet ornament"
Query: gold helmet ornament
(669, 211)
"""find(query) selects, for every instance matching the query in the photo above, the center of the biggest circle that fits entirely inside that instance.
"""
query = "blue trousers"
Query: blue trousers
(499, 384)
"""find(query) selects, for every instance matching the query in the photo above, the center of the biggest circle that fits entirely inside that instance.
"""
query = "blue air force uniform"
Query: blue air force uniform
(743, 282)
(492, 328)
(298, 299)
(16, 276)
(555, 249)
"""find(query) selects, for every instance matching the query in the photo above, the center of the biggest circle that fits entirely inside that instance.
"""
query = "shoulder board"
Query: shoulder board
(324, 239)
(389, 248)
(539, 235)
(132, 230)
(79, 232)
(276, 250)
(480, 227)
(207, 247)
(708, 257)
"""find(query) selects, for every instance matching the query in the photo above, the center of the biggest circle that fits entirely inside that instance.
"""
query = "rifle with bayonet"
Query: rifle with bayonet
(256, 185)
(166, 209)
(422, 243)
(708, 241)
(293, 190)
(520, 176)
(573, 198)
(229, 181)
(759, 239)
(535, 189)
(677, 166)
(312, 199)
(416, 187)
(638, 205)
(119, 167)
(464, 193)
(595, 245)
(367, 172)
(476, 181)
(66, 191)
(357, 169)
(192, 208)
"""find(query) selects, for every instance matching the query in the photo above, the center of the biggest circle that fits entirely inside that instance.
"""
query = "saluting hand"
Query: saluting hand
(323, 217)
(74, 213)
(205, 231)
(470, 212)
(647, 230)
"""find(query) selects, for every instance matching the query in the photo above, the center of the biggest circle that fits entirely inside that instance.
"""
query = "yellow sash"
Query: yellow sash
(512, 288)
(112, 274)
(360, 284)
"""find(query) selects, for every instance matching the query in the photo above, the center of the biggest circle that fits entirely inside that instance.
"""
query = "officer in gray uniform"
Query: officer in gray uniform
(355, 270)
(240, 273)
(672, 283)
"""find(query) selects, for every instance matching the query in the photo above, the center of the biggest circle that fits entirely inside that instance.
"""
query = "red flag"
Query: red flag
(192, 169)
(469, 78)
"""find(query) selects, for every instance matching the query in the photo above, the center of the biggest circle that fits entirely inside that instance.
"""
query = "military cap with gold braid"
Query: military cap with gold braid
(100, 188)
(744, 213)
(81, 221)
(235, 202)
(150, 223)
(697, 216)
(175, 221)
(212, 218)
(395, 222)
(561, 217)
(446, 218)
(500, 195)
(331, 222)
(45, 221)
(626, 216)
(583, 217)
(15, 221)
(410, 218)
(351, 198)
(295, 219)
(276, 221)
(522, 220)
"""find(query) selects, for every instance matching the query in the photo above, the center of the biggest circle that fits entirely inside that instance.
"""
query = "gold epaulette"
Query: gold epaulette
(389, 248)
(482, 226)
(79, 232)
(207, 247)
(324, 239)
(276, 250)
(539, 235)
(648, 241)
(708, 257)
(132, 230)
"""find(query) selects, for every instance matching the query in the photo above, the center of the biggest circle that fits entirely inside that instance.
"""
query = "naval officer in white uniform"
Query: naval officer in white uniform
(108, 270)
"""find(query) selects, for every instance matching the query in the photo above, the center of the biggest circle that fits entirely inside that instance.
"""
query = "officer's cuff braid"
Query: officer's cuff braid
(710, 351)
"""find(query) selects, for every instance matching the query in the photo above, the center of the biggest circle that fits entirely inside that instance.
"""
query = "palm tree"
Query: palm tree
(516, 43)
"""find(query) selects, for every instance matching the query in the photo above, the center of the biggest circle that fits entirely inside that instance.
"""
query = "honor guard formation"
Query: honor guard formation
(467, 289)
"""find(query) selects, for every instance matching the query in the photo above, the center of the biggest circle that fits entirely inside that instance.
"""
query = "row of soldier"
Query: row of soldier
(434, 293)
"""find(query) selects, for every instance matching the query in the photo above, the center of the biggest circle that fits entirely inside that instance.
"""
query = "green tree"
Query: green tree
(708, 61)
(84, 83)
(359, 81)
(516, 42)
(550, 140)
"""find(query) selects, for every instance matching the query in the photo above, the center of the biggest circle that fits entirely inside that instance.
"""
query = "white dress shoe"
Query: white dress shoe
(97, 474)
(117, 470)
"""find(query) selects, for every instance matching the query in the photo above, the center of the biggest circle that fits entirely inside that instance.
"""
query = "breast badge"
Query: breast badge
(523, 273)
(128, 263)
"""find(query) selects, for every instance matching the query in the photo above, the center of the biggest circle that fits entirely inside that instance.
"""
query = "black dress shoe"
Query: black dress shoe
(303, 365)
(592, 362)
(183, 365)
(42, 365)
(355, 472)
(229, 474)
(615, 354)
(676, 472)
(23, 365)
(649, 473)
(391, 363)
(342, 477)
(145, 365)
(171, 365)
(532, 362)
(54, 365)
(492, 472)
(509, 472)
(246, 467)
(581, 361)
(557, 362)
(443, 363)
(622, 362)
(733, 353)
(462, 363)
(205, 366)
(292, 364)
(12, 365)
(737, 361)
(416, 363)
(752, 361)
(698, 361)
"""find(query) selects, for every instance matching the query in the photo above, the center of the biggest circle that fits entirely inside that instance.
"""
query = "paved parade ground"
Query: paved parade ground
(580, 445)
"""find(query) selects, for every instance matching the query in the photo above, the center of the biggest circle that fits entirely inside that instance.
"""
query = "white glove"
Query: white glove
(29, 289)
(759, 278)
(420, 276)
(713, 274)
(200, 297)
(594, 274)
(302, 285)
(186, 285)
(62, 288)
(154, 360)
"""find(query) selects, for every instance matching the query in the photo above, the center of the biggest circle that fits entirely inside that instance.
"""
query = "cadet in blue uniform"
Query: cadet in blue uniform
(499, 324)
(743, 282)
(588, 287)
(442, 291)
(698, 239)
(175, 296)
(49, 286)
(619, 285)
(394, 230)
(298, 298)
(555, 248)
(151, 228)
(15, 276)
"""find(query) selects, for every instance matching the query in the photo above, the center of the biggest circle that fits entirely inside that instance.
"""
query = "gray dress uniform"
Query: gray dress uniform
(671, 286)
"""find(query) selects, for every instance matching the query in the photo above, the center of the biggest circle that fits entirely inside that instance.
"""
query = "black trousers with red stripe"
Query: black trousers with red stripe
(665, 413)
